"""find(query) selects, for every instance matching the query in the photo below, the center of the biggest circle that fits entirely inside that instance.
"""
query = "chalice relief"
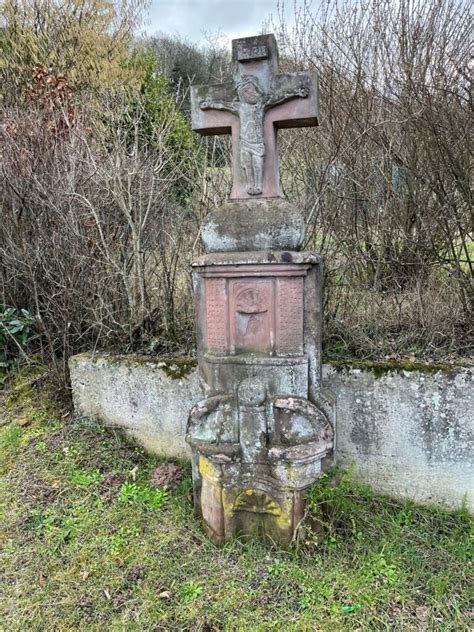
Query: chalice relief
(250, 107)
(251, 308)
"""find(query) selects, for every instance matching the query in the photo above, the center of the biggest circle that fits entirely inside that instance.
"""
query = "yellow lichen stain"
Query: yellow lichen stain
(277, 517)
(256, 502)
(227, 504)
(289, 471)
(284, 520)
(208, 470)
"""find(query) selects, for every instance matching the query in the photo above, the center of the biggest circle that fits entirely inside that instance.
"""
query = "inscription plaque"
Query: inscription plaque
(289, 315)
(251, 53)
(216, 318)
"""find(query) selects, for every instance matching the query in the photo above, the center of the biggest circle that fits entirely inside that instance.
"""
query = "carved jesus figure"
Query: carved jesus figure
(250, 107)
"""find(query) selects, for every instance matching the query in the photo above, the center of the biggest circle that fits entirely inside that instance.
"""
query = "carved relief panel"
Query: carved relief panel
(216, 315)
(246, 313)
(289, 315)
(252, 321)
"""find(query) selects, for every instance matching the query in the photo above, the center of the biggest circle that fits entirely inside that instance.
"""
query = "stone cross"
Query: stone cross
(251, 108)
(264, 427)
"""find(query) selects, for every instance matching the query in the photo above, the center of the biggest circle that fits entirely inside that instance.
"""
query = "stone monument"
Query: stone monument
(260, 435)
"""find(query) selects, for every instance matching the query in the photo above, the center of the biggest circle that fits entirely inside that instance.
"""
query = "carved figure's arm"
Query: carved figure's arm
(281, 97)
(228, 106)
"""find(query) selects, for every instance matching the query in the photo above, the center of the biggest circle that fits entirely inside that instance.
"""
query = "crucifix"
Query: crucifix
(251, 108)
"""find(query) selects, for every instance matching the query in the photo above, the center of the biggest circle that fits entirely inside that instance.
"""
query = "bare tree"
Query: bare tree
(93, 239)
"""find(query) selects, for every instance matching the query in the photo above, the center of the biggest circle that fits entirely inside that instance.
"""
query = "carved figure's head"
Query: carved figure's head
(249, 90)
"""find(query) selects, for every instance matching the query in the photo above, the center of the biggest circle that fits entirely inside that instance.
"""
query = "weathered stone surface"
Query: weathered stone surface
(253, 225)
(264, 426)
(407, 434)
(136, 393)
(288, 343)
(252, 108)
(256, 257)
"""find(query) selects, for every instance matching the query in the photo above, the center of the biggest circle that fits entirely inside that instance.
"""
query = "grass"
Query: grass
(87, 544)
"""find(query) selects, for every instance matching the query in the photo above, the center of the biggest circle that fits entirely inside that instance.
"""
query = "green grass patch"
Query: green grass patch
(143, 496)
(88, 544)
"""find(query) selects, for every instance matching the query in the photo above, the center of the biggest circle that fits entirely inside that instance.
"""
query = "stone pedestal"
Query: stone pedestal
(264, 427)
(260, 435)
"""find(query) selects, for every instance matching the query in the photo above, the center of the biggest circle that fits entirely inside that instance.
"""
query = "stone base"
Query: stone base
(235, 502)
(410, 452)
(263, 224)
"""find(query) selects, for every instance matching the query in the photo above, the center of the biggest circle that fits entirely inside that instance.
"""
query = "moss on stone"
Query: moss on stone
(31, 395)
(179, 367)
(173, 367)
(381, 368)
(22, 386)
(176, 368)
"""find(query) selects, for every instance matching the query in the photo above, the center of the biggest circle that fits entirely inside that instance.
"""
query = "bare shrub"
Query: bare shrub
(385, 178)
(101, 202)
(93, 238)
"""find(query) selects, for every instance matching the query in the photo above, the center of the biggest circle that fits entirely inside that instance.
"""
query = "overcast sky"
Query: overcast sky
(193, 18)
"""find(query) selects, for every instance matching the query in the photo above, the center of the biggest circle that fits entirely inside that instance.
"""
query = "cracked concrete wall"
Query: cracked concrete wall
(406, 434)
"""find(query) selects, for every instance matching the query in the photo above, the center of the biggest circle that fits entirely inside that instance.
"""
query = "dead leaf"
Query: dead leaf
(422, 613)
(164, 595)
(22, 422)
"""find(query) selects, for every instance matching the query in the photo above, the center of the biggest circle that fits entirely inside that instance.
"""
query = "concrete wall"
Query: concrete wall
(136, 394)
(407, 434)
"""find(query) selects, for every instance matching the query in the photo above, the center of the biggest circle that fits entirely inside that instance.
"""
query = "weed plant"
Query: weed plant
(87, 544)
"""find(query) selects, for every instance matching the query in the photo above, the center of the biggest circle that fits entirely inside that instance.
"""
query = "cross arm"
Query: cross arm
(298, 94)
(213, 108)
(227, 106)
